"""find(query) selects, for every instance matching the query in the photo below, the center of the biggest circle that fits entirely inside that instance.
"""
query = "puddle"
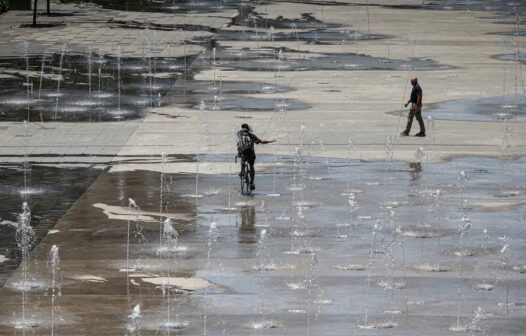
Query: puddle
(58, 190)
(229, 96)
(510, 108)
(503, 7)
(88, 87)
(515, 57)
(513, 32)
(288, 270)
(294, 60)
(321, 36)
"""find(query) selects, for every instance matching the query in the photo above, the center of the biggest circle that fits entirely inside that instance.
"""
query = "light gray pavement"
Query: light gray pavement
(65, 139)
(358, 112)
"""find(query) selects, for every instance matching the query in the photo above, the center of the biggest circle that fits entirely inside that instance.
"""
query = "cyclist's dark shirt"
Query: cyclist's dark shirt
(255, 140)
(249, 155)
(417, 90)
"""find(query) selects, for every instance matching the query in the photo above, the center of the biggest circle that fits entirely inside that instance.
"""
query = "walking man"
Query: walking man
(415, 110)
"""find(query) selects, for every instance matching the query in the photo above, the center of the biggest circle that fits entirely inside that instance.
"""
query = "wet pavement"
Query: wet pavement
(503, 7)
(388, 246)
(316, 36)
(515, 57)
(283, 59)
(89, 87)
(49, 192)
(509, 108)
(219, 95)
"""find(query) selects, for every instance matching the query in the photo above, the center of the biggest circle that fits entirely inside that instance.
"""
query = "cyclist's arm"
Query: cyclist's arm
(259, 141)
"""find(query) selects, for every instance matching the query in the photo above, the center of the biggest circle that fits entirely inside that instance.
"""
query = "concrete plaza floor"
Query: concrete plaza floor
(352, 229)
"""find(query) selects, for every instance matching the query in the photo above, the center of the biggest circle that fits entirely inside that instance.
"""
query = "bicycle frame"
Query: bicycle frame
(244, 177)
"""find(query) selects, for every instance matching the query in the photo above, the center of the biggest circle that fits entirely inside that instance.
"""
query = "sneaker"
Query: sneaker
(404, 133)
(252, 186)
(420, 134)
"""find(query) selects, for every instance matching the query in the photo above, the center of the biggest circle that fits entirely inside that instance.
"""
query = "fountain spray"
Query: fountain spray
(54, 264)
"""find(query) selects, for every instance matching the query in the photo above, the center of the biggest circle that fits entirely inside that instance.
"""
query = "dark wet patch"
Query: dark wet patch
(503, 7)
(169, 115)
(247, 17)
(509, 108)
(86, 87)
(255, 27)
(49, 192)
(515, 57)
(42, 25)
(90, 243)
(59, 14)
(167, 6)
(316, 36)
(231, 95)
(285, 59)
(227, 87)
(157, 26)
(515, 32)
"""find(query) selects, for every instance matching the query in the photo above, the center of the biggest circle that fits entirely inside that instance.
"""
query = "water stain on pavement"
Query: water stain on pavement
(510, 108)
(89, 87)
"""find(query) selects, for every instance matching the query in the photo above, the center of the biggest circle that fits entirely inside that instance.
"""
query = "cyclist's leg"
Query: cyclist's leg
(243, 158)
(252, 172)
(242, 168)
(251, 161)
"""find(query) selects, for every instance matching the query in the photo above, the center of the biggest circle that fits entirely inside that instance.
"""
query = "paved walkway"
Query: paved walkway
(352, 245)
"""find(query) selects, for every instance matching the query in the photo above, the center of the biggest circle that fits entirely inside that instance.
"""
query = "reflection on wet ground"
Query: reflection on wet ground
(509, 108)
(49, 192)
(344, 239)
(90, 87)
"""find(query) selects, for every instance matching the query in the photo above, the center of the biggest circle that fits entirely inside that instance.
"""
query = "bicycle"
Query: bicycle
(244, 177)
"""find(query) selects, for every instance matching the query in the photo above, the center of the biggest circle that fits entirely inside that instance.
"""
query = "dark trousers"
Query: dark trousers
(415, 112)
(249, 157)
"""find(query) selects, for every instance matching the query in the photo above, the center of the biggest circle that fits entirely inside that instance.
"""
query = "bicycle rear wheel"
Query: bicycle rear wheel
(247, 181)
(244, 187)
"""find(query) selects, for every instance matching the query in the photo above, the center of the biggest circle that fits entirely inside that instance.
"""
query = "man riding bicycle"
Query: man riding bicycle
(245, 149)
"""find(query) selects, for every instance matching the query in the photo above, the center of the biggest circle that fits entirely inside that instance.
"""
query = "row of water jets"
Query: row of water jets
(299, 244)
(168, 236)
(95, 77)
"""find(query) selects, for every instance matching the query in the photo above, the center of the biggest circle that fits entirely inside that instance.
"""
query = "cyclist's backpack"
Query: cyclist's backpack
(244, 141)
